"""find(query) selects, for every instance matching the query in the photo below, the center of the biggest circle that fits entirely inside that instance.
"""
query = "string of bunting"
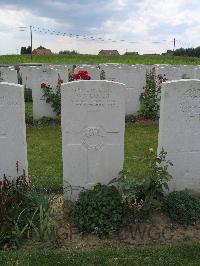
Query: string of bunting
(90, 38)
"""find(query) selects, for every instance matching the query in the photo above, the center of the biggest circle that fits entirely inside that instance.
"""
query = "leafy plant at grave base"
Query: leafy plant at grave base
(102, 75)
(54, 98)
(71, 72)
(185, 76)
(150, 98)
(28, 95)
(20, 212)
(45, 121)
(182, 207)
(19, 77)
(142, 192)
(131, 118)
(99, 210)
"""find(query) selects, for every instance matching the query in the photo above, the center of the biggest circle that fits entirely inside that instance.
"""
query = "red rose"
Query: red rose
(60, 81)
(43, 86)
(82, 72)
(86, 77)
(75, 76)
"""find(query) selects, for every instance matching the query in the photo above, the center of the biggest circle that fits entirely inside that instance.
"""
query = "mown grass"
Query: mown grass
(44, 156)
(96, 59)
(185, 254)
(45, 159)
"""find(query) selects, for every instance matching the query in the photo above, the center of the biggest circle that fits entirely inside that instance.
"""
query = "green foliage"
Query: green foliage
(71, 72)
(19, 77)
(150, 98)
(185, 76)
(182, 207)
(159, 255)
(20, 206)
(25, 50)
(141, 192)
(97, 59)
(67, 52)
(54, 98)
(44, 230)
(99, 210)
(194, 52)
(130, 118)
(28, 95)
(102, 75)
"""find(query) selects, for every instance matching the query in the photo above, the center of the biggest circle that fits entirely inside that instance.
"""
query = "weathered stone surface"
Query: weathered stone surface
(179, 131)
(8, 74)
(12, 130)
(49, 76)
(93, 115)
(134, 78)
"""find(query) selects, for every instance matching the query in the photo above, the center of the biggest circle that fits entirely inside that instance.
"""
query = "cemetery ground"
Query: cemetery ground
(96, 59)
(144, 228)
(45, 169)
(183, 254)
(145, 247)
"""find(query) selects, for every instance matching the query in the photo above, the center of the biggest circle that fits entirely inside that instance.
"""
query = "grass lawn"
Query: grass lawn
(44, 151)
(185, 254)
(96, 59)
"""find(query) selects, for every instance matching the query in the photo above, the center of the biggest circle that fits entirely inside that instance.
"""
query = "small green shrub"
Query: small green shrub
(99, 210)
(130, 118)
(140, 193)
(182, 207)
(150, 97)
(185, 76)
(102, 75)
(53, 98)
(28, 95)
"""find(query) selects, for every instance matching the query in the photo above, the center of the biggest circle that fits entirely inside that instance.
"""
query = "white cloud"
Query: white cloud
(143, 21)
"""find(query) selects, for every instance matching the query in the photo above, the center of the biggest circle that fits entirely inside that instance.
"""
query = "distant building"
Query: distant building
(109, 52)
(131, 53)
(169, 52)
(42, 51)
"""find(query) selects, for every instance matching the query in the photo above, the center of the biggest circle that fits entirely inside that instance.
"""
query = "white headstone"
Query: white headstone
(49, 76)
(179, 131)
(12, 130)
(8, 75)
(62, 71)
(175, 72)
(93, 120)
(134, 78)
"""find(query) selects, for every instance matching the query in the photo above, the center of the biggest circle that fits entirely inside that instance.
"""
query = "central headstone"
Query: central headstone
(179, 131)
(93, 121)
(12, 131)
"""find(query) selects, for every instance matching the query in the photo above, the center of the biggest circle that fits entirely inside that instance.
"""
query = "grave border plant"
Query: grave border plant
(150, 97)
(23, 212)
(99, 210)
(142, 192)
(182, 207)
(54, 97)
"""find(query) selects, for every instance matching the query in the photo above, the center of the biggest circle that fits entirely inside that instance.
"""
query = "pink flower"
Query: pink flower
(43, 86)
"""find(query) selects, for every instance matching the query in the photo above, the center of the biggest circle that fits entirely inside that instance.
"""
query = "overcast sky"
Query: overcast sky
(147, 26)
